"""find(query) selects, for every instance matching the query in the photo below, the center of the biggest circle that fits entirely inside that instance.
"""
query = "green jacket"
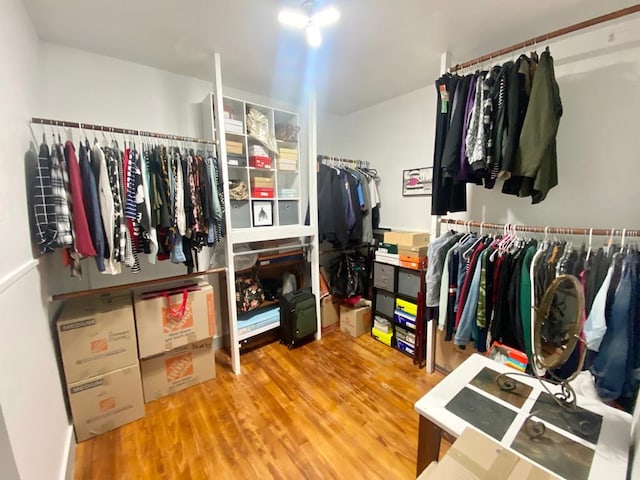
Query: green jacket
(537, 161)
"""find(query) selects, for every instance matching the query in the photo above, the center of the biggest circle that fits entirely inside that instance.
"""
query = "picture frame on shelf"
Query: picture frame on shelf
(417, 181)
(262, 213)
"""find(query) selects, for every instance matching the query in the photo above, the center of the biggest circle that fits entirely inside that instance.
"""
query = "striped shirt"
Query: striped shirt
(61, 206)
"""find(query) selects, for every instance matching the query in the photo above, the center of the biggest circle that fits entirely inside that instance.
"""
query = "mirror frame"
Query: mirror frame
(541, 313)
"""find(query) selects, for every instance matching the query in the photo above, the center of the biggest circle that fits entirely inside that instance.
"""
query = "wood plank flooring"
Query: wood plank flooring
(338, 408)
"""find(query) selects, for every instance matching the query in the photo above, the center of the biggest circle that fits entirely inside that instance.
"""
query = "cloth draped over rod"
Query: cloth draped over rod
(546, 229)
(336, 161)
(123, 131)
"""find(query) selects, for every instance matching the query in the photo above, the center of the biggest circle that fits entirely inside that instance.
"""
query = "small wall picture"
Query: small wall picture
(418, 181)
(262, 213)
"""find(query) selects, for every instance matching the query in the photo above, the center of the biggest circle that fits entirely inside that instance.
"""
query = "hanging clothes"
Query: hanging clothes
(535, 170)
(449, 195)
(43, 203)
(499, 124)
(92, 204)
(348, 203)
(113, 203)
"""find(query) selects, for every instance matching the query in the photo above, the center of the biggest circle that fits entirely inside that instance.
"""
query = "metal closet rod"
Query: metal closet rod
(532, 42)
(124, 131)
(358, 163)
(560, 230)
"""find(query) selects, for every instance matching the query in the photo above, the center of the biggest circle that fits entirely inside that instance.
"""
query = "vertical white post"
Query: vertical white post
(312, 121)
(218, 106)
(435, 232)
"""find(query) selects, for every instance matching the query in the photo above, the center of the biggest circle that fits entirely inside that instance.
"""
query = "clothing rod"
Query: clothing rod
(124, 131)
(296, 249)
(560, 230)
(343, 160)
(129, 286)
(548, 36)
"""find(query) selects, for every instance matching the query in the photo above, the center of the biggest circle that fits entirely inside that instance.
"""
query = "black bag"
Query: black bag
(298, 318)
(350, 275)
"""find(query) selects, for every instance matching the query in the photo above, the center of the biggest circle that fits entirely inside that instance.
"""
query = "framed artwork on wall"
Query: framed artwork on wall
(262, 213)
(417, 181)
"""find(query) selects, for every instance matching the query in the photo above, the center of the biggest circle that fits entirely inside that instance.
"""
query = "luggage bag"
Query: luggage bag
(298, 320)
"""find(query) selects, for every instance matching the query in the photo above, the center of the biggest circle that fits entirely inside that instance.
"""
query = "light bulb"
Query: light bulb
(292, 18)
(314, 38)
(326, 17)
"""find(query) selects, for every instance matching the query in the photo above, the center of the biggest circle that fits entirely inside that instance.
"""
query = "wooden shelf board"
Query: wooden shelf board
(129, 286)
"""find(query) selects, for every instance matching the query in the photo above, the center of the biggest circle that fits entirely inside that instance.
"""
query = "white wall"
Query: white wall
(598, 73)
(35, 421)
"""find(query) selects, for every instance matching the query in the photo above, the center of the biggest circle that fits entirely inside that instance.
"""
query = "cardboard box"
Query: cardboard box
(356, 320)
(178, 369)
(261, 192)
(407, 238)
(235, 147)
(329, 313)
(388, 248)
(162, 324)
(259, 162)
(413, 263)
(102, 403)
(97, 336)
(475, 456)
(413, 251)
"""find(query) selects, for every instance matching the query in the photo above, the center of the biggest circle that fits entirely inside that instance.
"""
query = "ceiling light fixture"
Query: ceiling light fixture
(309, 19)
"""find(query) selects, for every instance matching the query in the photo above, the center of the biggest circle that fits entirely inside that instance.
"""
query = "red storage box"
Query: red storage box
(262, 192)
(260, 162)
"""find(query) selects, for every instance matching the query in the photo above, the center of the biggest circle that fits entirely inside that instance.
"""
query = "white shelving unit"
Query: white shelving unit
(244, 222)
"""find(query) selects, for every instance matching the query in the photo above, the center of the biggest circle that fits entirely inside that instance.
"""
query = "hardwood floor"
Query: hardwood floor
(339, 408)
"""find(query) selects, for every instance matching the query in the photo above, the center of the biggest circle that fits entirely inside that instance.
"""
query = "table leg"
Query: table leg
(428, 444)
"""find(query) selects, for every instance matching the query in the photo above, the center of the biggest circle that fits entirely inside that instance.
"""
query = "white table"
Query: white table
(611, 452)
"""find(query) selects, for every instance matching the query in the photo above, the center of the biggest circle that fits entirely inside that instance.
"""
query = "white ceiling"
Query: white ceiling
(379, 49)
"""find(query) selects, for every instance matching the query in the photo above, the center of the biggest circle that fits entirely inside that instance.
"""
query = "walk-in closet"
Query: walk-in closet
(319, 239)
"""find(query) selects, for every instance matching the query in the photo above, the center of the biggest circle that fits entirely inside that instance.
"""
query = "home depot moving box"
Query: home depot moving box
(173, 316)
(178, 369)
(356, 320)
(105, 402)
(97, 335)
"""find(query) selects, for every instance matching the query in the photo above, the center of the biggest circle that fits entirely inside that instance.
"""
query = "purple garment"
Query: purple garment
(465, 168)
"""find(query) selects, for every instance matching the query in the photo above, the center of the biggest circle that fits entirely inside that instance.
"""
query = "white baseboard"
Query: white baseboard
(69, 464)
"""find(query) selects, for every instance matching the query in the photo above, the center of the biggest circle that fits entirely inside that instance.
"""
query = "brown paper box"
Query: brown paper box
(407, 238)
(356, 321)
(178, 369)
(100, 404)
(329, 312)
(97, 336)
(475, 456)
(413, 251)
(160, 330)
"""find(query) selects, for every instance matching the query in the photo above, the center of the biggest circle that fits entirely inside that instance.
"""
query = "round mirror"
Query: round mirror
(558, 321)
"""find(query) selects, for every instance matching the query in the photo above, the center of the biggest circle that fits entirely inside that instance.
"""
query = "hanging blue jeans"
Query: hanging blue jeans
(609, 367)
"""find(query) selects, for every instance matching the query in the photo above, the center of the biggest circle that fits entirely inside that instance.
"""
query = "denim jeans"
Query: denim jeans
(610, 366)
